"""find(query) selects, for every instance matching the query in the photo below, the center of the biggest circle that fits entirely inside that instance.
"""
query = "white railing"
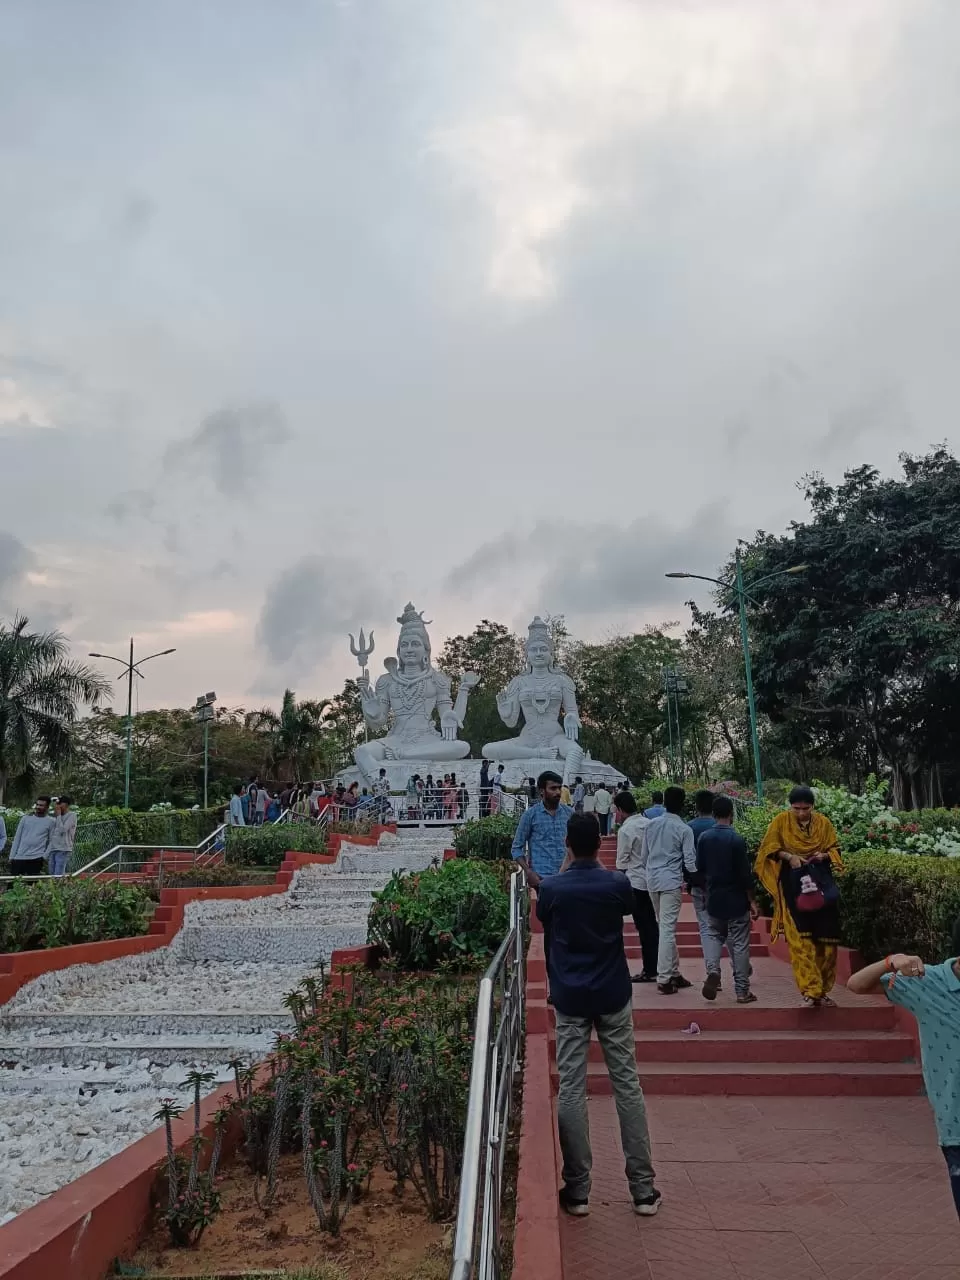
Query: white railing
(497, 1045)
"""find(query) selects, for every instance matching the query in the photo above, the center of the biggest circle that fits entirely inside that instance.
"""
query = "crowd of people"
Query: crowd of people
(582, 907)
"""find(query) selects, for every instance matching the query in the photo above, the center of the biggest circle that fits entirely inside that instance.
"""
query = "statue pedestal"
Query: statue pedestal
(515, 774)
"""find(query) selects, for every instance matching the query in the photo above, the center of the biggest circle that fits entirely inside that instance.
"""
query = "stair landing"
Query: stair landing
(762, 1188)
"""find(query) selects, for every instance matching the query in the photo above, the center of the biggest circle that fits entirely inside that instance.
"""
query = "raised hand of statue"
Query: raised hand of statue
(571, 726)
(449, 726)
(469, 680)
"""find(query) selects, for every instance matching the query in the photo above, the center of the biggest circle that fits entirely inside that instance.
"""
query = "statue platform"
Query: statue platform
(515, 773)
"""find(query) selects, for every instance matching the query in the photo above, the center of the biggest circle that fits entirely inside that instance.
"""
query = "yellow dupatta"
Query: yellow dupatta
(785, 833)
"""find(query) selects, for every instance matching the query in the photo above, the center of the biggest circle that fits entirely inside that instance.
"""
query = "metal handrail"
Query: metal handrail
(497, 1043)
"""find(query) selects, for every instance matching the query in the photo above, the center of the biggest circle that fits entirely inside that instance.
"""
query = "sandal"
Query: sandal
(828, 1003)
(810, 1003)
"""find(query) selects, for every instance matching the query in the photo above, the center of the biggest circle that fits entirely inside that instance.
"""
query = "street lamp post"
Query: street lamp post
(205, 715)
(742, 597)
(130, 669)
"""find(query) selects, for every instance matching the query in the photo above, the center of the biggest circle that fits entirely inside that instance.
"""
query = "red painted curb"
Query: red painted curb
(76, 1233)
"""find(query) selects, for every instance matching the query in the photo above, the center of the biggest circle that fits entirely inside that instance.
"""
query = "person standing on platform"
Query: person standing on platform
(583, 910)
(602, 800)
(631, 826)
(668, 855)
(31, 841)
(64, 834)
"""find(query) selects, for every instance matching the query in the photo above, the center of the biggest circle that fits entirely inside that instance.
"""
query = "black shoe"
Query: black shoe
(711, 986)
(644, 977)
(681, 982)
(575, 1208)
(649, 1205)
(668, 988)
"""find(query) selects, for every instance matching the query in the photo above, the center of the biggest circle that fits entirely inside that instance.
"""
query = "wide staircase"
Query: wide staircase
(775, 1047)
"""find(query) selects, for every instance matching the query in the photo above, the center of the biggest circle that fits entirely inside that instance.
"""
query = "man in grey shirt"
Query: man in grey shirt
(31, 843)
(668, 850)
(64, 834)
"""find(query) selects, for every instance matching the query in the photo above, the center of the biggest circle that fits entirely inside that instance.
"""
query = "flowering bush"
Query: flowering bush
(453, 913)
(375, 1073)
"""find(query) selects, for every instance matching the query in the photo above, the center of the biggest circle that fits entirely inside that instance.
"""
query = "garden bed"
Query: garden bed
(386, 1237)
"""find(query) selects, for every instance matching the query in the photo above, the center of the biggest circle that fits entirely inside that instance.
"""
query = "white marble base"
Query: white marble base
(515, 773)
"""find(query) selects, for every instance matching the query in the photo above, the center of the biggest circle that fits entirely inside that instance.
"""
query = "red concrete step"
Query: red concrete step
(750, 1047)
(693, 950)
(755, 1017)
(767, 1079)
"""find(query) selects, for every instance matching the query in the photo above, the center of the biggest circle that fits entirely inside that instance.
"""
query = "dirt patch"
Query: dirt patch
(385, 1237)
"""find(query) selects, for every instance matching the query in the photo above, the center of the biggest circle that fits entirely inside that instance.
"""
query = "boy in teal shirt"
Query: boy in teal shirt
(931, 992)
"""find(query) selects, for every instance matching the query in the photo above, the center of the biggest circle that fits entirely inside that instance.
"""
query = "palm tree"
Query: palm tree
(299, 740)
(40, 692)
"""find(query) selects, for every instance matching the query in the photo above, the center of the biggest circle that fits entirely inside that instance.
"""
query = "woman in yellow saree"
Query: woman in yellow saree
(797, 836)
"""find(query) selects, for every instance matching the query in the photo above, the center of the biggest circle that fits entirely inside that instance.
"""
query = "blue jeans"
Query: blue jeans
(952, 1155)
(58, 862)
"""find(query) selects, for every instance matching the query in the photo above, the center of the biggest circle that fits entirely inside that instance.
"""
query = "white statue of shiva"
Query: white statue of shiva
(405, 699)
(542, 693)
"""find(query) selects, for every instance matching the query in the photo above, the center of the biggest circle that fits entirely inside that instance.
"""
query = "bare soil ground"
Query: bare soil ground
(385, 1236)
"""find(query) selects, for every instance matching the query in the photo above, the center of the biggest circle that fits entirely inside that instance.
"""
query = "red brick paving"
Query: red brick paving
(772, 1189)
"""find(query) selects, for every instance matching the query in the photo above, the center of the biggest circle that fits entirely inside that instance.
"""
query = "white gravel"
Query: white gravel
(86, 1052)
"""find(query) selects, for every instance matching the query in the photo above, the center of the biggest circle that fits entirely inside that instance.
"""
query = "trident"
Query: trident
(362, 651)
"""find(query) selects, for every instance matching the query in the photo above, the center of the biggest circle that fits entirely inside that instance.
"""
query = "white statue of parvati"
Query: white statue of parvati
(406, 698)
(542, 693)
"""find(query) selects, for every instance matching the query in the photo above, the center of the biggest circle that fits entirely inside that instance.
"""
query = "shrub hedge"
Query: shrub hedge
(486, 839)
(452, 914)
(265, 846)
(898, 902)
(59, 913)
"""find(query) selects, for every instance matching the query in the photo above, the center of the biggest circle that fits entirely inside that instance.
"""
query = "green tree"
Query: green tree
(301, 741)
(41, 690)
(496, 654)
(861, 653)
(621, 699)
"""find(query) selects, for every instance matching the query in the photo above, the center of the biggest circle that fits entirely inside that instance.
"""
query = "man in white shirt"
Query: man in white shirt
(668, 852)
(602, 800)
(234, 815)
(632, 825)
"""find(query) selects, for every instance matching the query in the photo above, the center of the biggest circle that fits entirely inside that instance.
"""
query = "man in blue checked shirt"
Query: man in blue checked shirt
(540, 844)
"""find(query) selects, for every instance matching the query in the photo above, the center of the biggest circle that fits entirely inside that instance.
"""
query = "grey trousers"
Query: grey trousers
(615, 1033)
(735, 934)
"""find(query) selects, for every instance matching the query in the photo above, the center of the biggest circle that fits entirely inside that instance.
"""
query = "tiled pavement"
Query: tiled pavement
(772, 1189)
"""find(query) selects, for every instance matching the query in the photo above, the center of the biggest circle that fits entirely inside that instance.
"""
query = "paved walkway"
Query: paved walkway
(789, 1143)
(772, 1189)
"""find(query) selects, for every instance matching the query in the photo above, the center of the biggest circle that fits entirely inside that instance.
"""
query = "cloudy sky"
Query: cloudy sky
(308, 308)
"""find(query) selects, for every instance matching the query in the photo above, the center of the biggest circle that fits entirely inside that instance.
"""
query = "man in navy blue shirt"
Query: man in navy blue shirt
(724, 863)
(590, 983)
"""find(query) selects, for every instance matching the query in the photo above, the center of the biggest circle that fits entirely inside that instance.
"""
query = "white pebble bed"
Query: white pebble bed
(87, 1052)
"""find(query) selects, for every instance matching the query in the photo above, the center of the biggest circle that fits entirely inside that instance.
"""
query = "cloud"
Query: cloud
(599, 569)
(234, 444)
(15, 560)
(310, 608)
(19, 407)
(133, 503)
